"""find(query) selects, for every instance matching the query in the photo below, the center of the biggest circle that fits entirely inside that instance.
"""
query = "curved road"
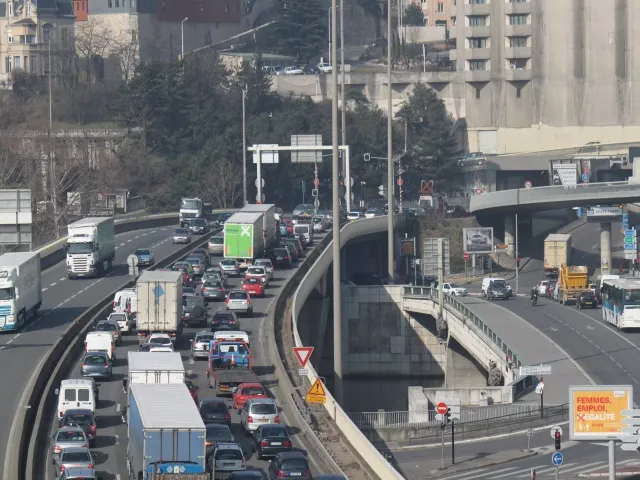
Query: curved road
(62, 301)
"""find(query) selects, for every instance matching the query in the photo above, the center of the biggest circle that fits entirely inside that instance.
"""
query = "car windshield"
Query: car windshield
(274, 432)
(218, 432)
(252, 281)
(75, 457)
(223, 317)
(295, 463)
(143, 251)
(118, 317)
(280, 251)
(255, 271)
(253, 391)
(106, 327)
(70, 436)
(240, 349)
(229, 454)
(191, 302)
(453, 285)
(212, 285)
(238, 296)
(188, 291)
(204, 338)
(94, 360)
(180, 231)
(199, 222)
(217, 240)
(498, 284)
(228, 263)
(301, 229)
(77, 419)
(264, 409)
(161, 340)
(213, 407)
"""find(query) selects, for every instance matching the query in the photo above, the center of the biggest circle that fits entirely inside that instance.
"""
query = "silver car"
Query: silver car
(96, 365)
(73, 457)
(267, 264)
(230, 267)
(197, 264)
(213, 290)
(215, 277)
(227, 458)
(262, 411)
(122, 319)
(200, 344)
(79, 473)
(240, 301)
(181, 235)
(67, 437)
(216, 245)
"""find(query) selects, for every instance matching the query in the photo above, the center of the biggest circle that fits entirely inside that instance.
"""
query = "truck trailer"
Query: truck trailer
(159, 303)
(270, 230)
(572, 282)
(243, 238)
(161, 367)
(557, 252)
(20, 289)
(90, 247)
(167, 437)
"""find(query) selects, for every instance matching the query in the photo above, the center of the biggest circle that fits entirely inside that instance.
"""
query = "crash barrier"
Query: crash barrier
(28, 439)
(54, 252)
(369, 454)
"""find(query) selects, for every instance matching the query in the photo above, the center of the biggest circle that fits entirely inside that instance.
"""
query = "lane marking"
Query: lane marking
(117, 407)
(44, 289)
(62, 279)
(53, 284)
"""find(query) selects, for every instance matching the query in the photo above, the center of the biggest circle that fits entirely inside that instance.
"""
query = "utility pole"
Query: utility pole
(342, 86)
(182, 37)
(244, 146)
(390, 236)
(517, 261)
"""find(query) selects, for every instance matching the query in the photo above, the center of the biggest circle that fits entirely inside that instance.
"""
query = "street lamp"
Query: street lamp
(244, 145)
(182, 36)
(329, 29)
(390, 235)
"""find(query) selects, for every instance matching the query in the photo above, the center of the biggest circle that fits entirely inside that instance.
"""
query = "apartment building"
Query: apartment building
(27, 29)
(437, 13)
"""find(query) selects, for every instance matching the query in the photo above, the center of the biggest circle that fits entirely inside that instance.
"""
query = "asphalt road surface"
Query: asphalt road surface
(111, 445)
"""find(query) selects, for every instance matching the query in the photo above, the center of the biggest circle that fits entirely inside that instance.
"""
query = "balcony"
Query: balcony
(517, 8)
(477, 76)
(517, 31)
(453, 54)
(481, 9)
(478, 53)
(517, 52)
(518, 75)
(482, 32)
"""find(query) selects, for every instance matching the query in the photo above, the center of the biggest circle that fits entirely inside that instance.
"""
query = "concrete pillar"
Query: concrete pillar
(605, 248)
(322, 330)
(509, 234)
(343, 264)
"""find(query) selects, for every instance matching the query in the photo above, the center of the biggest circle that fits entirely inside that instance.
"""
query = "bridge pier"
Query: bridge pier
(324, 317)
(509, 234)
(605, 248)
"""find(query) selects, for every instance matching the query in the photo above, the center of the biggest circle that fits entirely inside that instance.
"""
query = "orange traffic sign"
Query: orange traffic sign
(317, 394)
(595, 412)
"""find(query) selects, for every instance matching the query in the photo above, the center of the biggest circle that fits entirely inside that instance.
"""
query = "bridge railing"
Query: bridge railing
(467, 316)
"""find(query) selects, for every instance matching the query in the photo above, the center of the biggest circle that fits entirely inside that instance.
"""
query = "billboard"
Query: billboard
(603, 214)
(478, 239)
(15, 217)
(595, 411)
(565, 174)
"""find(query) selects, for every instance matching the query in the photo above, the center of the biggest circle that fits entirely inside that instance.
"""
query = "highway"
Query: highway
(111, 445)
(63, 301)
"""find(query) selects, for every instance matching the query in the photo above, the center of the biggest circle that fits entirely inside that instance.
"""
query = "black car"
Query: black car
(497, 290)
(270, 440)
(224, 320)
(290, 465)
(281, 257)
(194, 311)
(222, 218)
(215, 411)
(198, 226)
(587, 300)
(303, 240)
(217, 432)
(82, 418)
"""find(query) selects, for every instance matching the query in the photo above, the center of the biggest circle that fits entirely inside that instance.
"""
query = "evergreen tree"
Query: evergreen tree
(413, 16)
(301, 29)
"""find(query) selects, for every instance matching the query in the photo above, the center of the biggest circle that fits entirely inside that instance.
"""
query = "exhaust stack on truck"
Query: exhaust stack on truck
(20, 289)
(91, 247)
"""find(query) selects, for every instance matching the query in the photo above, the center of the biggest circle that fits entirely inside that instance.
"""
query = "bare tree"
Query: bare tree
(92, 41)
(222, 184)
(15, 170)
(127, 52)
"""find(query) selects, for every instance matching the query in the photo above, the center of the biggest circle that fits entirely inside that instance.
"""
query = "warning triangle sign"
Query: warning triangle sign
(303, 354)
(317, 389)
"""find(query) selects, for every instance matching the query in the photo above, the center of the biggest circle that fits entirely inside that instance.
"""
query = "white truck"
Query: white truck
(90, 247)
(190, 208)
(557, 252)
(20, 289)
(270, 232)
(161, 367)
(159, 303)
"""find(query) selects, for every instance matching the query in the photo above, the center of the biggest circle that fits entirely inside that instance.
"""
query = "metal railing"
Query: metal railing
(467, 316)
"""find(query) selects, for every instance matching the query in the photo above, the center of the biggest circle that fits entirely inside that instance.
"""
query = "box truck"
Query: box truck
(270, 230)
(243, 238)
(159, 303)
(557, 252)
(573, 282)
(167, 437)
(20, 289)
(90, 247)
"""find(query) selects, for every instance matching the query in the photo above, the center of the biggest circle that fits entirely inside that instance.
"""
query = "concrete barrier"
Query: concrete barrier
(28, 438)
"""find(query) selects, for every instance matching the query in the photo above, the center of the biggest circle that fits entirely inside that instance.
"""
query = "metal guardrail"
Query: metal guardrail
(467, 316)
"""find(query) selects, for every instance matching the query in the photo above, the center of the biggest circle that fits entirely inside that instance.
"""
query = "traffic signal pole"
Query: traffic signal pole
(453, 442)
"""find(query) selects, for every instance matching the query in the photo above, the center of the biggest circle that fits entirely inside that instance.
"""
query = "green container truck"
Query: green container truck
(243, 237)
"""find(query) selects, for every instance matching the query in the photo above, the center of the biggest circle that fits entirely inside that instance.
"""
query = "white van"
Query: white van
(76, 393)
(306, 230)
(487, 281)
(126, 300)
(101, 342)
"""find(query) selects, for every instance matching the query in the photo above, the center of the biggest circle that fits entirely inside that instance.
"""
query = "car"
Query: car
(284, 231)
(479, 239)
(246, 475)
(226, 458)
(146, 347)
(216, 245)
(240, 301)
(231, 267)
(225, 320)
(258, 411)
(222, 218)
(319, 227)
(73, 457)
(371, 213)
(96, 365)
(214, 411)
(122, 319)
(80, 418)
(214, 276)
(270, 440)
(454, 290)
(160, 349)
(267, 264)
(257, 272)
(282, 258)
(181, 235)
(324, 68)
(302, 208)
(213, 290)
(351, 216)
(194, 311)
(217, 433)
(202, 252)
(200, 344)
(197, 264)
(160, 339)
(293, 71)
(145, 257)
(303, 240)
(254, 286)
(288, 465)
(187, 272)
(289, 224)
(193, 390)
(232, 335)
(198, 226)
(245, 392)
(217, 269)
(295, 243)
(293, 251)
(587, 299)
(189, 292)
(497, 290)
(79, 473)
(112, 327)
(67, 437)
(542, 287)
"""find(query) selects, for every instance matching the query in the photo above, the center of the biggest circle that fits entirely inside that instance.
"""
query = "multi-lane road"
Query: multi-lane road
(111, 448)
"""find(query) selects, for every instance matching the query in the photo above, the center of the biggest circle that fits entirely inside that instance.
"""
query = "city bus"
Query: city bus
(621, 302)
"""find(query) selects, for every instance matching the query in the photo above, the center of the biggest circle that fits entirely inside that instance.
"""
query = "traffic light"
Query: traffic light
(518, 262)
(557, 437)
(447, 416)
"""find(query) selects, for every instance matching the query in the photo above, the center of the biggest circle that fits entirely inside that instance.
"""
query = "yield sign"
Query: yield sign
(303, 354)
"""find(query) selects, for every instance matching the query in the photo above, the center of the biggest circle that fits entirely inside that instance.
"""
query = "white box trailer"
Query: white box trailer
(91, 247)
(159, 302)
(20, 289)
(270, 233)
(159, 367)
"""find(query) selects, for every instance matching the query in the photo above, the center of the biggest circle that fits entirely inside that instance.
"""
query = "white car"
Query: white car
(293, 71)
(122, 319)
(324, 67)
(161, 349)
(454, 290)
(371, 213)
(319, 225)
(161, 339)
(542, 288)
(351, 216)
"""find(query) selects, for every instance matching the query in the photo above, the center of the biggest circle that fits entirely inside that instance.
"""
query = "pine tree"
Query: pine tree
(413, 16)
(301, 29)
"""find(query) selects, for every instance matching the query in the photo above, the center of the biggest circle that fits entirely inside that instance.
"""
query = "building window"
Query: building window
(477, 2)
(518, 1)
(477, 20)
(26, 62)
(10, 7)
(16, 62)
(7, 64)
(9, 36)
(424, 3)
(477, 43)
(516, 42)
(117, 3)
(453, 21)
(32, 64)
(477, 65)
(109, 4)
(65, 37)
(440, 7)
(518, 64)
(46, 34)
(27, 9)
(517, 19)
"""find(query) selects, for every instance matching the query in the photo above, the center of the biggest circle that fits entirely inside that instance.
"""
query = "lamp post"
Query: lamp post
(244, 145)
(182, 36)
(329, 29)
(390, 236)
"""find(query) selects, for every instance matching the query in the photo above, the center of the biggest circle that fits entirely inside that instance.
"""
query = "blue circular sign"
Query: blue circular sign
(557, 458)
(585, 177)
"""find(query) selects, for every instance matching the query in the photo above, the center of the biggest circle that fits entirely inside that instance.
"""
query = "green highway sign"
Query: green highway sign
(629, 239)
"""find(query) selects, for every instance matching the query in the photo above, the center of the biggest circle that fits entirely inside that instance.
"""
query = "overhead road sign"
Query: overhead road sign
(595, 411)
(526, 371)
(317, 393)
(603, 214)
(266, 155)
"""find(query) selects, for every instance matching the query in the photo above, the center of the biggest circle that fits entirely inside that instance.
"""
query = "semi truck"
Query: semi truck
(190, 208)
(230, 364)
(167, 437)
(159, 303)
(270, 230)
(243, 238)
(90, 247)
(161, 367)
(557, 252)
(572, 282)
(20, 289)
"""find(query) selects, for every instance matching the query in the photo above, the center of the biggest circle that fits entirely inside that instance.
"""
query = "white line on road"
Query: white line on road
(45, 289)
(121, 245)
(62, 279)
(503, 475)
(117, 407)
(53, 284)
(595, 246)
(458, 475)
(117, 476)
(483, 474)
(564, 470)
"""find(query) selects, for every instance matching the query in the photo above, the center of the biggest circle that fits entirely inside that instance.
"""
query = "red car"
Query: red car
(245, 392)
(192, 390)
(289, 225)
(254, 286)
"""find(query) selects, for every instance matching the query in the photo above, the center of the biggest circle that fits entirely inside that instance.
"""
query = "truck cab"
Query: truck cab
(20, 289)
(190, 209)
(90, 247)
(229, 354)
